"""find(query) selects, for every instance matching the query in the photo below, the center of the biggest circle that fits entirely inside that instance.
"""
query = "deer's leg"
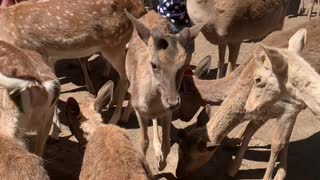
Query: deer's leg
(282, 171)
(318, 8)
(157, 141)
(250, 130)
(311, 5)
(235, 141)
(222, 51)
(143, 123)
(127, 111)
(84, 67)
(117, 60)
(233, 56)
(280, 139)
(165, 145)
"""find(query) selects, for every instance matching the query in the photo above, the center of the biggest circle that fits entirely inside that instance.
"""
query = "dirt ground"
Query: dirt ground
(63, 158)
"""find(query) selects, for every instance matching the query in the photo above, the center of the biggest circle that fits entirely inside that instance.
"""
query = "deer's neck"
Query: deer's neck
(231, 111)
(215, 91)
(304, 84)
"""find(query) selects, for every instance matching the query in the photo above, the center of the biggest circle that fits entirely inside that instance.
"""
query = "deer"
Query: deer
(198, 145)
(229, 23)
(66, 32)
(18, 163)
(160, 58)
(109, 153)
(29, 94)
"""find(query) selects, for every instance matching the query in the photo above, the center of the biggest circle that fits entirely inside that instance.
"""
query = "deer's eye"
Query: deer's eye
(154, 66)
(258, 82)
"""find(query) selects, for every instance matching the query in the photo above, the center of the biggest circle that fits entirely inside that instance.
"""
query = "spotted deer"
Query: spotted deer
(230, 22)
(156, 60)
(29, 94)
(74, 29)
(17, 163)
(109, 154)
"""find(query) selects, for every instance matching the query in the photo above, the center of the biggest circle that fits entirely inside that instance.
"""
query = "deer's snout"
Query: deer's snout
(173, 102)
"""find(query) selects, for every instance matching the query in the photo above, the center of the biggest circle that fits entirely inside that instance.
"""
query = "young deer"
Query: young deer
(155, 64)
(109, 153)
(17, 163)
(199, 145)
(230, 22)
(233, 111)
(74, 29)
(29, 94)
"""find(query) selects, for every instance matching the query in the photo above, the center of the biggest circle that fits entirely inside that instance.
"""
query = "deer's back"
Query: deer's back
(17, 163)
(234, 21)
(111, 155)
(52, 26)
(311, 50)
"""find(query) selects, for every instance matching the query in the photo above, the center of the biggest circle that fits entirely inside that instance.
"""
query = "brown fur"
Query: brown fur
(109, 153)
(230, 22)
(34, 102)
(229, 115)
(17, 163)
(66, 32)
(155, 63)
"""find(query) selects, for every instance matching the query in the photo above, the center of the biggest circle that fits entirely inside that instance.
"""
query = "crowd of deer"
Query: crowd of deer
(276, 81)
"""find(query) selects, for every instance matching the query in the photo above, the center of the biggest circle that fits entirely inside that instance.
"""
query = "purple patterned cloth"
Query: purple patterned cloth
(175, 11)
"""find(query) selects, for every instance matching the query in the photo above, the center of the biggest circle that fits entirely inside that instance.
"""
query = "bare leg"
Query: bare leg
(165, 145)
(310, 9)
(117, 60)
(127, 111)
(280, 139)
(282, 171)
(156, 141)
(233, 56)
(89, 85)
(143, 123)
(250, 130)
(222, 51)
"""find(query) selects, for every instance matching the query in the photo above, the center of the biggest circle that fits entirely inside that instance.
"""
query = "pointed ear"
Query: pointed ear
(104, 96)
(275, 59)
(203, 68)
(298, 40)
(142, 30)
(72, 108)
(204, 116)
(188, 34)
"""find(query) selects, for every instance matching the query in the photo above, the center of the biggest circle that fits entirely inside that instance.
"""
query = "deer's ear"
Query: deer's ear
(142, 30)
(189, 34)
(72, 108)
(104, 96)
(203, 68)
(298, 40)
(275, 60)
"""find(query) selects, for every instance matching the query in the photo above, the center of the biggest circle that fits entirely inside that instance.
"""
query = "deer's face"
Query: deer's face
(193, 151)
(169, 54)
(169, 59)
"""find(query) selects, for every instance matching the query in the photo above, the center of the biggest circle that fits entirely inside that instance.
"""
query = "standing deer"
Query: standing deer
(155, 64)
(29, 94)
(230, 22)
(73, 29)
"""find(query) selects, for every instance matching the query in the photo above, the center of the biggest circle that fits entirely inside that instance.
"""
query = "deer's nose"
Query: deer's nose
(173, 102)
